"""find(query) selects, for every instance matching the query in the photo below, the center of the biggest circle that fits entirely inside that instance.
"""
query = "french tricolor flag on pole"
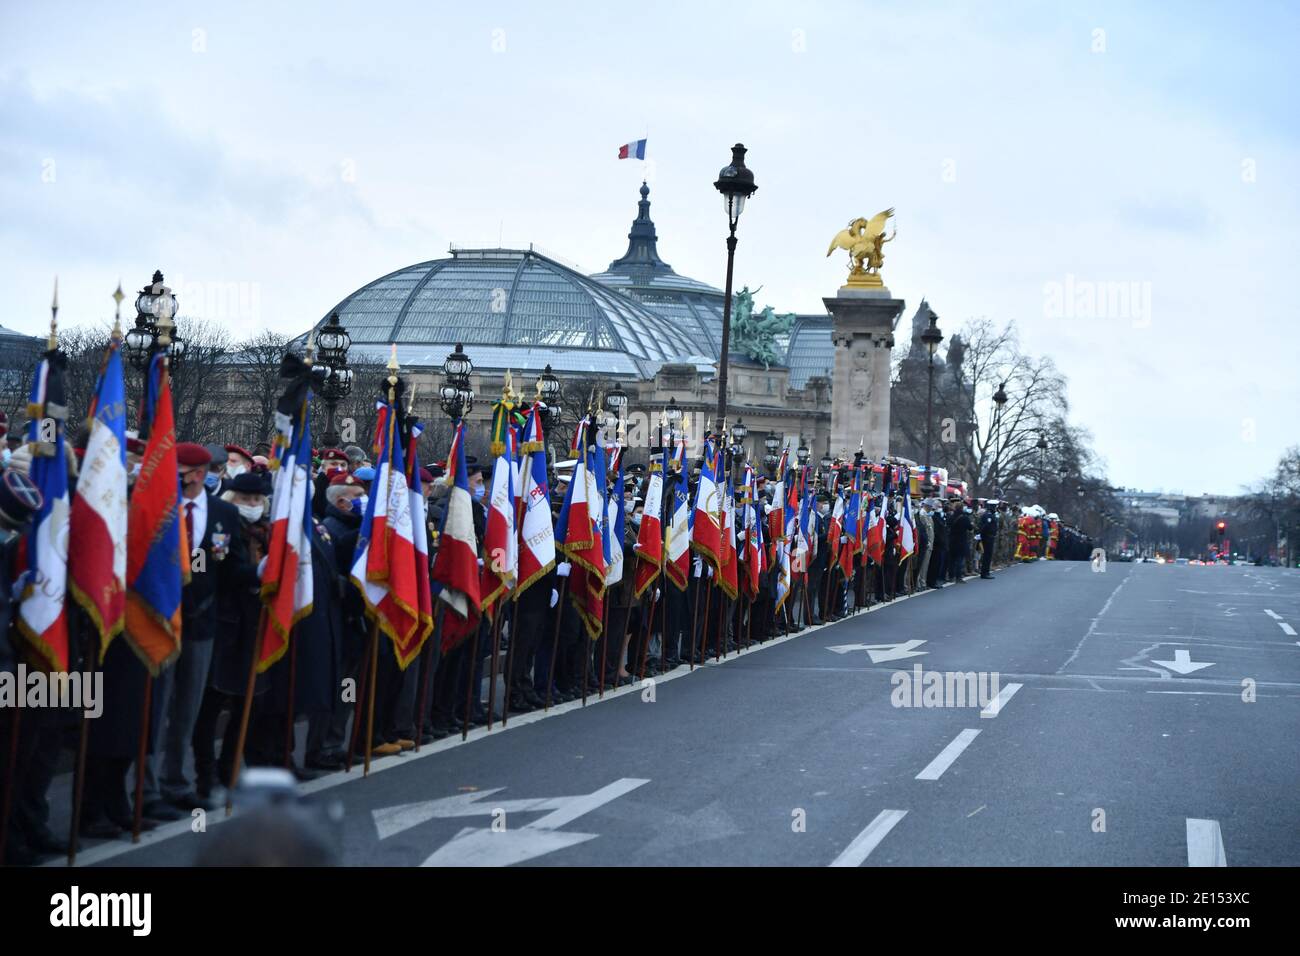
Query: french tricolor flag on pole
(633, 150)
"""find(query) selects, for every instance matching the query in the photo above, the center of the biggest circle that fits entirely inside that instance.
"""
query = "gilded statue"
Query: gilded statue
(865, 240)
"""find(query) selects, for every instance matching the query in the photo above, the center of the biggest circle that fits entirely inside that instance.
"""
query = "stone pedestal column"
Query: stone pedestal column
(863, 332)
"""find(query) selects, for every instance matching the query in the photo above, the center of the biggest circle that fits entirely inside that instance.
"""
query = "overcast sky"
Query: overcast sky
(1119, 179)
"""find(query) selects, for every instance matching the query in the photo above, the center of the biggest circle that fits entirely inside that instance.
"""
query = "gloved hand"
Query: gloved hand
(261, 566)
(844, 539)
(637, 546)
(555, 597)
(480, 562)
(656, 594)
(562, 569)
(696, 566)
(710, 570)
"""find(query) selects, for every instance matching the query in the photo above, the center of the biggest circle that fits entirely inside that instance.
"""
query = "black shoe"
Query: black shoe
(163, 811)
(306, 774)
(328, 762)
(100, 830)
(188, 802)
(439, 731)
(534, 698)
(519, 704)
(986, 577)
(48, 843)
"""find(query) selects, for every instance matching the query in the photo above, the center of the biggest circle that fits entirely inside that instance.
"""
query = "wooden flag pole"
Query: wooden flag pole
(142, 754)
(290, 708)
(363, 675)
(435, 640)
(471, 655)
(245, 712)
(372, 682)
(79, 768)
(604, 642)
(496, 654)
(555, 640)
(11, 764)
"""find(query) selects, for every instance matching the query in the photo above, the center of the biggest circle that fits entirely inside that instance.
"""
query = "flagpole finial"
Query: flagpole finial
(54, 316)
(118, 296)
(507, 388)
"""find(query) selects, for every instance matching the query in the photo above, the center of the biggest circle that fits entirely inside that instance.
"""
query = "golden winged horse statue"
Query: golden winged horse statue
(865, 239)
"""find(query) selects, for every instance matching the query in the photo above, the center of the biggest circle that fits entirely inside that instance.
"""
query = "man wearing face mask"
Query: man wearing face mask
(234, 645)
(220, 574)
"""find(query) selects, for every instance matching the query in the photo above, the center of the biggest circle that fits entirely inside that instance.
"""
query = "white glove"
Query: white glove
(710, 570)
(977, 537)
(844, 539)
(637, 546)
(697, 565)
(555, 597)
(562, 569)
(480, 562)
(656, 594)
(261, 566)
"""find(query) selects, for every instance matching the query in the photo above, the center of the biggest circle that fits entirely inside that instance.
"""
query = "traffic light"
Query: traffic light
(1221, 527)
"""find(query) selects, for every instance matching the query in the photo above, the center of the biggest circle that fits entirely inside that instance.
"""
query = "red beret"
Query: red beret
(241, 451)
(345, 478)
(333, 454)
(192, 455)
(426, 475)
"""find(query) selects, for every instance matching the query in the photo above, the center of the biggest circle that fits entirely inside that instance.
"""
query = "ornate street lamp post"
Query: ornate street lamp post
(802, 452)
(1042, 463)
(999, 399)
(736, 183)
(931, 337)
(771, 445)
(331, 367)
(455, 396)
(155, 307)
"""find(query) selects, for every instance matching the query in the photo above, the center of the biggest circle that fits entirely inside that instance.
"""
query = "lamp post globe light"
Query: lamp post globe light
(332, 344)
(771, 445)
(932, 336)
(548, 391)
(1042, 462)
(455, 395)
(155, 307)
(616, 403)
(736, 184)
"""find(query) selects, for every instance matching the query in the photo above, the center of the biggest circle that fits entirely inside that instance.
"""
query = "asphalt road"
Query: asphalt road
(1098, 754)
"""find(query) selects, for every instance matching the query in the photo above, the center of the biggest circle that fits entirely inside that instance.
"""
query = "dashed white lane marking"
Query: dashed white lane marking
(1287, 629)
(1205, 843)
(1273, 614)
(997, 703)
(1093, 626)
(856, 852)
(949, 754)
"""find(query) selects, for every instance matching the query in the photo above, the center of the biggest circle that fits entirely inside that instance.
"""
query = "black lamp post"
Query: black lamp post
(802, 452)
(331, 367)
(736, 183)
(455, 396)
(771, 444)
(999, 400)
(931, 337)
(155, 307)
(1042, 463)
(548, 390)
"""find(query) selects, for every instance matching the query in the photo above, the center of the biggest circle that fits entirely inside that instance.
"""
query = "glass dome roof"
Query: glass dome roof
(511, 309)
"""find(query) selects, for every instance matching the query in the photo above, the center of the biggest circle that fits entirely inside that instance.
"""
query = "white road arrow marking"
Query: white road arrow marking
(882, 652)
(1183, 663)
(390, 821)
(856, 852)
(1205, 843)
(487, 847)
